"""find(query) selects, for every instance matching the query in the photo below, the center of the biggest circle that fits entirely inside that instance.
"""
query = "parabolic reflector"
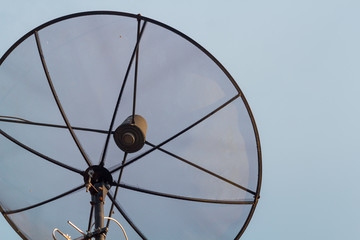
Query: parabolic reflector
(185, 164)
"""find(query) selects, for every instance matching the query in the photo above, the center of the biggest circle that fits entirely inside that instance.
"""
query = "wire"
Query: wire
(119, 225)
(78, 229)
(57, 230)
(16, 118)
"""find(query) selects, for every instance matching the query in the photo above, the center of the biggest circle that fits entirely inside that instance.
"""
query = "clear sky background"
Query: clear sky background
(298, 64)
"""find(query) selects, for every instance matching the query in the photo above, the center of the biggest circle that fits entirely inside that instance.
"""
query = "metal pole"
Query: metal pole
(98, 200)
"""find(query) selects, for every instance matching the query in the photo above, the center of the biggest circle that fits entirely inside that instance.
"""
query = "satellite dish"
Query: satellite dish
(114, 116)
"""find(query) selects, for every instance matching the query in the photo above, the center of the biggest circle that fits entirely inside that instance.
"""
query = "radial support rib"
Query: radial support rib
(116, 190)
(40, 154)
(126, 217)
(116, 168)
(120, 95)
(57, 99)
(24, 121)
(178, 197)
(45, 202)
(203, 169)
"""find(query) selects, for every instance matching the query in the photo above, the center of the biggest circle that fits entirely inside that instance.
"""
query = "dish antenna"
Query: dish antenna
(133, 116)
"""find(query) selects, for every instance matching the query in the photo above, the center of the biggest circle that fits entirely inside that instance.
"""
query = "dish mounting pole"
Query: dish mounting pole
(97, 180)
(98, 201)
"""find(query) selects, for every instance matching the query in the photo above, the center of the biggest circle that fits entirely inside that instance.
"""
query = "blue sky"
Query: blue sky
(297, 63)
